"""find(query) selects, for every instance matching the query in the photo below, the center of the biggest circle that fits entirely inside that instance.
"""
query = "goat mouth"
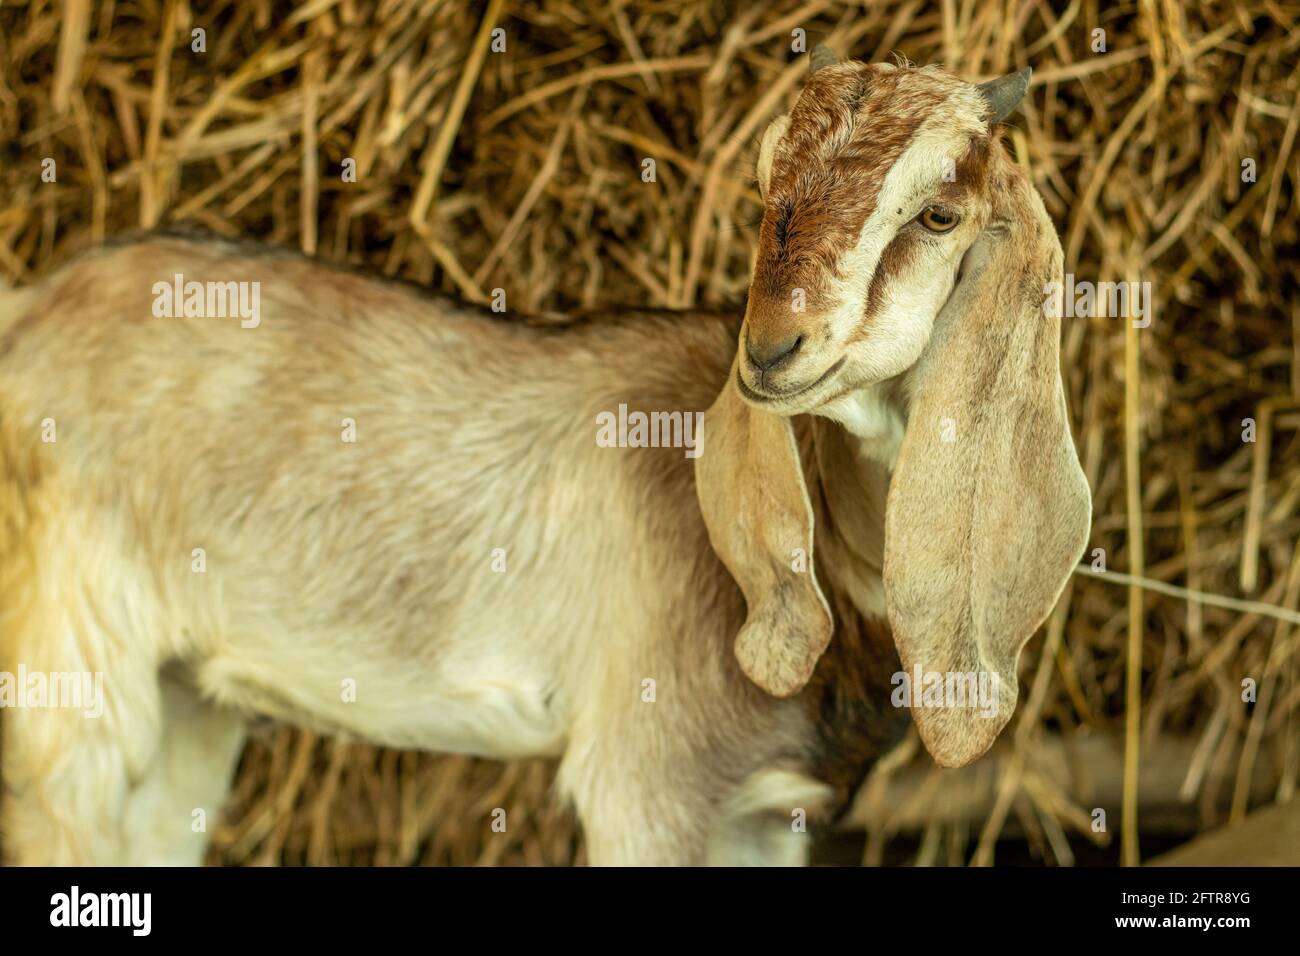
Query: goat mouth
(764, 397)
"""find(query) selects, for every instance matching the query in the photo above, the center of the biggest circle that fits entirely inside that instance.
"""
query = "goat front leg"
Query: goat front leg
(677, 783)
(672, 819)
(766, 821)
(634, 812)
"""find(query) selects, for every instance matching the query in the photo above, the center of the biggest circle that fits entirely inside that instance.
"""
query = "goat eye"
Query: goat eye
(938, 220)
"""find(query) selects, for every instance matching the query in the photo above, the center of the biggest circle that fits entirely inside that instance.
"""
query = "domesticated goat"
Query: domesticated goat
(391, 516)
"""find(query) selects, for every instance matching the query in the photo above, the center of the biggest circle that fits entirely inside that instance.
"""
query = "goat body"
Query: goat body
(473, 573)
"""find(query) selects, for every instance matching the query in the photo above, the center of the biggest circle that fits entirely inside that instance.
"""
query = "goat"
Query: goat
(382, 514)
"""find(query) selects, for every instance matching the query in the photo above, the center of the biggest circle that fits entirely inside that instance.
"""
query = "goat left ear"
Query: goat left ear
(988, 508)
(755, 504)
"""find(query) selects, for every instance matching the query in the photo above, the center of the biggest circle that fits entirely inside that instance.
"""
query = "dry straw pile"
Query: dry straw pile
(522, 169)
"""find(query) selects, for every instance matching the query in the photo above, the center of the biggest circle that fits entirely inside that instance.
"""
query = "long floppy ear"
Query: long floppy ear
(755, 504)
(988, 508)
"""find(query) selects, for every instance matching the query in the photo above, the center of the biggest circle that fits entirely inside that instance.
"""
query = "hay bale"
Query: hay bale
(521, 170)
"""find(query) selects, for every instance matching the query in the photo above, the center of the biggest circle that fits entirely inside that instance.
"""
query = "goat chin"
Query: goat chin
(386, 515)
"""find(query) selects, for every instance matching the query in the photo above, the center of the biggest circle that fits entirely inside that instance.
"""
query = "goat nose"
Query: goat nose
(767, 356)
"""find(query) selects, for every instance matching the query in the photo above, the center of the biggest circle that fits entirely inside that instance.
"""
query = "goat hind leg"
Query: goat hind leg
(73, 753)
(169, 811)
(67, 773)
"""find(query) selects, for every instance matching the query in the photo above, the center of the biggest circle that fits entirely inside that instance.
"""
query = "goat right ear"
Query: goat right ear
(988, 508)
(751, 489)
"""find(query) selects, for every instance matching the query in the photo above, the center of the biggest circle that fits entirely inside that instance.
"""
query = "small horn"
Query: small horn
(821, 56)
(1005, 93)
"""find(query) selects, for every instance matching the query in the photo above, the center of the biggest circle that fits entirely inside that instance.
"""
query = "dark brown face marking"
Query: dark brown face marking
(821, 189)
(896, 257)
(848, 128)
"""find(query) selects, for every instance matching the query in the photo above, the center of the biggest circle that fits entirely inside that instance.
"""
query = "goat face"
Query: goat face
(873, 262)
(875, 186)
